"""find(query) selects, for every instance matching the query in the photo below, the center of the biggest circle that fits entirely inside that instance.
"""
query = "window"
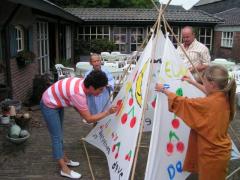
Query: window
(177, 32)
(93, 32)
(120, 38)
(137, 37)
(43, 46)
(19, 38)
(205, 36)
(227, 39)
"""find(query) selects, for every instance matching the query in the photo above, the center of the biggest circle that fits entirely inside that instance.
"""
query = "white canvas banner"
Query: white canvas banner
(186, 4)
(116, 135)
(169, 139)
(234, 153)
(159, 42)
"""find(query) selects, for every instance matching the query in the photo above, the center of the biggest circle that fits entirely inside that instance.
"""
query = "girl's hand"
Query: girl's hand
(188, 79)
(159, 87)
(112, 109)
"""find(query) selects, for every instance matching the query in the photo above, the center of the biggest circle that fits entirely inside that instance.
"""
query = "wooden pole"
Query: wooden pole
(161, 11)
(88, 158)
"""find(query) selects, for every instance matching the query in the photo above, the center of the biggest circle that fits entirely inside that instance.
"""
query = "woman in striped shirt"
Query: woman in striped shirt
(71, 92)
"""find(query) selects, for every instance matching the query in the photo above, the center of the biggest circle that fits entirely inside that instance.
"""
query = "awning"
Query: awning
(48, 7)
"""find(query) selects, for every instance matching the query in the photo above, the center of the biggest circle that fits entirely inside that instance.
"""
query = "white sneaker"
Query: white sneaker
(73, 163)
(72, 175)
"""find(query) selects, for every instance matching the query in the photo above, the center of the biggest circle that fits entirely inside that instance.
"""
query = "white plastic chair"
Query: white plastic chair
(64, 72)
(104, 55)
(115, 53)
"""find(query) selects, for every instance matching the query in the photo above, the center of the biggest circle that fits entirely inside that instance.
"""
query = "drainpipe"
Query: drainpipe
(6, 46)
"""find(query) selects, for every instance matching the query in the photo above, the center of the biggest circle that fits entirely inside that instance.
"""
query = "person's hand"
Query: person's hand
(159, 87)
(112, 109)
(188, 79)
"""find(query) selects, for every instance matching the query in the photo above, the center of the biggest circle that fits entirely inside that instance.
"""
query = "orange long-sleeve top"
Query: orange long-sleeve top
(209, 143)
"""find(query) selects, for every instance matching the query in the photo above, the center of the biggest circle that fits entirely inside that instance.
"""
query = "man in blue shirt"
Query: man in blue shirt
(99, 103)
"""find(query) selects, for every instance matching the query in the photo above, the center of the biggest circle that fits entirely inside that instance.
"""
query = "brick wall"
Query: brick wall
(227, 53)
(22, 80)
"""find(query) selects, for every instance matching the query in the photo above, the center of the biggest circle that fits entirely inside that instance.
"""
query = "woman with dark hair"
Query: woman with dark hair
(70, 92)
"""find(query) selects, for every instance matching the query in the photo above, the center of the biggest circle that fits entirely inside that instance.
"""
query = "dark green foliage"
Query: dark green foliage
(25, 57)
(101, 45)
(96, 46)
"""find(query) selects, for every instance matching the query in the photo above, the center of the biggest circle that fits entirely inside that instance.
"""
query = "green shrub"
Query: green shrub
(96, 45)
(25, 57)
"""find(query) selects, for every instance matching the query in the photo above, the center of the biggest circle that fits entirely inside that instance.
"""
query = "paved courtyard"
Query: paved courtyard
(33, 160)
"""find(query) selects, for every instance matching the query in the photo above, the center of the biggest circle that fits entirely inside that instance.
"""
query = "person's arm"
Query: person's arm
(193, 111)
(94, 118)
(194, 83)
(79, 102)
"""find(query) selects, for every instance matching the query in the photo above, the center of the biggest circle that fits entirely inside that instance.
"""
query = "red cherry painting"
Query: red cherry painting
(113, 148)
(130, 101)
(180, 147)
(124, 118)
(119, 102)
(175, 123)
(116, 155)
(170, 148)
(154, 103)
(133, 122)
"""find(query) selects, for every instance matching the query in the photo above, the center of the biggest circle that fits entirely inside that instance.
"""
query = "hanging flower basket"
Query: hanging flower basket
(25, 57)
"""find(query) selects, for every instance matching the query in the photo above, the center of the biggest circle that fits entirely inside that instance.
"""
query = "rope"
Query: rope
(230, 175)
(89, 163)
(234, 133)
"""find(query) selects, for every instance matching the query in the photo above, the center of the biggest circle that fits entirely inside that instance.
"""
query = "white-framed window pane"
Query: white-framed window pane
(227, 39)
(43, 46)
(177, 32)
(93, 32)
(19, 38)
(205, 35)
(137, 35)
(120, 38)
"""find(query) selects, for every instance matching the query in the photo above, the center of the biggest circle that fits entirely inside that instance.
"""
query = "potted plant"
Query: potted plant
(25, 57)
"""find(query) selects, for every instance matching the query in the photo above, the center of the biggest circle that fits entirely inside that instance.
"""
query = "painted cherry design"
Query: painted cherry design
(175, 123)
(133, 122)
(124, 118)
(170, 148)
(130, 101)
(180, 147)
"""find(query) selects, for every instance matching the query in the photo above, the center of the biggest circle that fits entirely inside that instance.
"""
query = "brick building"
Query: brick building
(31, 26)
(227, 34)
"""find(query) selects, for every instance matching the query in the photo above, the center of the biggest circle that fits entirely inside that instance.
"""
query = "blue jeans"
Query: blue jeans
(54, 121)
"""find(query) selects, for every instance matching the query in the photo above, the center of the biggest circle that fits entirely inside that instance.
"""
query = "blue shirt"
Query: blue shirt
(97, 104)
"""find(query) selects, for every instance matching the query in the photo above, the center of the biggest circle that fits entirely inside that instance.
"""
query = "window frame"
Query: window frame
(19, 38)
(137, 43)
(91, 33)
(227, 39)
(205, 36)
(122, 45)
(43, 46)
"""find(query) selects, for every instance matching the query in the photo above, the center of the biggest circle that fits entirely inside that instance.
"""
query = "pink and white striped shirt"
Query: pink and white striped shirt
(66, 92)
